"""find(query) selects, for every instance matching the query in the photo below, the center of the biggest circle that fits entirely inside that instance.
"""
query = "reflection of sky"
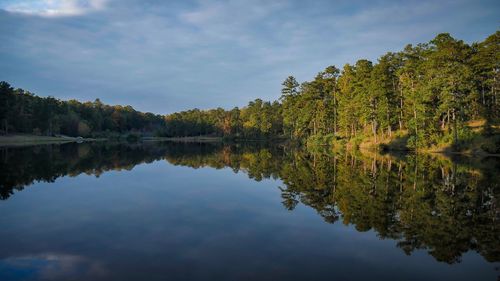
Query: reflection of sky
(182, 223)
(48, 267)
(165, 56)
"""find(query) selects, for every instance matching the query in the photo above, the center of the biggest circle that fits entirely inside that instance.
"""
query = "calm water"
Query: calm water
(214, 212)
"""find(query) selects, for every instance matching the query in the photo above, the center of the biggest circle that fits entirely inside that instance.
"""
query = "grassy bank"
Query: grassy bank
(473, 141)
(475, 145)
(184, 139)
(21, 139)
(216, 139)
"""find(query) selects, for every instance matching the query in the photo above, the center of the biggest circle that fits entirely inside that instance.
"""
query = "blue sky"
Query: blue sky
(166, 56)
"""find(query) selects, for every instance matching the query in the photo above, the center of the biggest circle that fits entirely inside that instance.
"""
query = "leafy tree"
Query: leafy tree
(428, 93)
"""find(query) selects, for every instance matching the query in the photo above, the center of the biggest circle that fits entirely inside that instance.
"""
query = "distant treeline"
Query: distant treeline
(426, 93)
(24, 112)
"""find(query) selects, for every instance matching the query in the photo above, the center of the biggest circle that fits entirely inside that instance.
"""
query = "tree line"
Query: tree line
(24, 112)
(259, 119)
(426, 93)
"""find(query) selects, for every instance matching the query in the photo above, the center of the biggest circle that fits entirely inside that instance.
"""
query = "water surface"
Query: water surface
(166, 211)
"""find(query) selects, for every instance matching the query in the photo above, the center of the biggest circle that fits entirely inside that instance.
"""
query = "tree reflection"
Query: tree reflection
(445, 206)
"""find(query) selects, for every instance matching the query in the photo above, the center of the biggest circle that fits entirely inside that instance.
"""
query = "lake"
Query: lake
(180, 211)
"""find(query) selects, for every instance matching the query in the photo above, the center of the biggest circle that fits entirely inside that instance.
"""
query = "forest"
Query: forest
(443, 93)
(24, 112)
(428, 94)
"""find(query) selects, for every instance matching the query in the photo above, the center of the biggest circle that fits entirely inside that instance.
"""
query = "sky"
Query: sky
(167, 56)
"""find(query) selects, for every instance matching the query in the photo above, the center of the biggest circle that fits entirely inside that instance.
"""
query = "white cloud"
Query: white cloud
(55, 8)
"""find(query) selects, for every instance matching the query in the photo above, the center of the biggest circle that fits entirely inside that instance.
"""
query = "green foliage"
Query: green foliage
(465, 137)
(258, 120)
(24, 112)
(83, 129)
(321, 140)
(133, 137)
(430, 91)
(355, 142)
(492, 145)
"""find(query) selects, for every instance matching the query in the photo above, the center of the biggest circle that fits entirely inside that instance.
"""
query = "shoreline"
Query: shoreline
(183, 139)
(27, 140)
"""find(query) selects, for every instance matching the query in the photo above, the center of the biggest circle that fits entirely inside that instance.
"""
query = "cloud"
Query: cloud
(54, 8)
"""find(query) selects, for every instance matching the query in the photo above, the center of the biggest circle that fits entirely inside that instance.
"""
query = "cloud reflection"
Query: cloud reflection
(51, 266)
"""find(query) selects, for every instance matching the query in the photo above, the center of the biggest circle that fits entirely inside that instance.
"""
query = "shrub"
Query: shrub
(133, 137)
(492, 145)
(83, 129)
(355, 142)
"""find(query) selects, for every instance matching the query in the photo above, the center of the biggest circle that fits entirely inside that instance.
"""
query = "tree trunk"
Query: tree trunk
(388, 120)
(455, 132)
(401, 110)
(494, 89)
(335, 121)
(448, 117)
(416, 122)
(482, 94)
(416, 176)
